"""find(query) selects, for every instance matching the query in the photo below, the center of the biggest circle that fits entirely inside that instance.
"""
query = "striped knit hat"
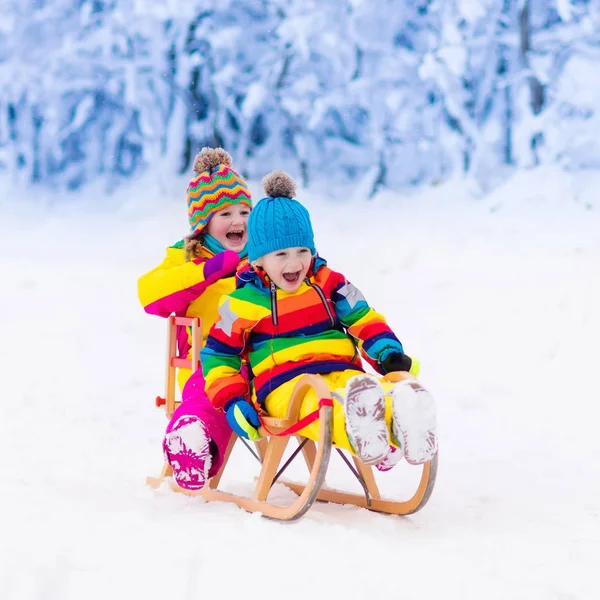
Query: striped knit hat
(215, 186)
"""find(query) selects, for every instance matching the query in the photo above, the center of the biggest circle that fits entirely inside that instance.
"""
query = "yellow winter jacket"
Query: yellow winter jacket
(178, 286)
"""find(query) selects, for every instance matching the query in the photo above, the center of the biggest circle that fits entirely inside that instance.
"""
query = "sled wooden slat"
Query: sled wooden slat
(181, 363)
(275, 425)
(170, 376)
(174, 361)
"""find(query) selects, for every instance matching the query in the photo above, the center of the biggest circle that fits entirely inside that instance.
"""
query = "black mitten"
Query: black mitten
(396, 362)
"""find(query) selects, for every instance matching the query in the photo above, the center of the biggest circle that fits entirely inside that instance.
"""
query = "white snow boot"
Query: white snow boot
(414, 421)
(364, 407)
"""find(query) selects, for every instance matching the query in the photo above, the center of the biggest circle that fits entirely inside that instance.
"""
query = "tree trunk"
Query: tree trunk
(536, 90)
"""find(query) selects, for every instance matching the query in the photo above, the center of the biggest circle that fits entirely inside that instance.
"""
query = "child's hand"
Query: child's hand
(222, 265)
(400, 362)
(243, 419)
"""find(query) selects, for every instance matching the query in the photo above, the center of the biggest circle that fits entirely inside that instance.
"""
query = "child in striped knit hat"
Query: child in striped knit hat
(290, 315)
(196, 272)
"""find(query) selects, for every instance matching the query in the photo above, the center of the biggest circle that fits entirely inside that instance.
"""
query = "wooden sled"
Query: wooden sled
(271, 449)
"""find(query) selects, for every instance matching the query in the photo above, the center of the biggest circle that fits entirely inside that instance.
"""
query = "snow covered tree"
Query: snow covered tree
(83, 91)
(412, 93)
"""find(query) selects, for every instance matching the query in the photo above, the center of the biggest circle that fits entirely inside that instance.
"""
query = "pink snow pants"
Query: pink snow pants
(195, 402)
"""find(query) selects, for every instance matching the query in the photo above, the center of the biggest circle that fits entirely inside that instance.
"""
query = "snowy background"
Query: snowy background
(410, 93)
(448, 153)
(500, 300)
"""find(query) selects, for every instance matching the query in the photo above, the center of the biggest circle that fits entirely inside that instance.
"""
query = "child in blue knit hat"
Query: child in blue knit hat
(291, 315)
(280, 232)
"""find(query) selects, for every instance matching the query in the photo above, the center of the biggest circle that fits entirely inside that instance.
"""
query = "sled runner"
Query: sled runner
(270, 451)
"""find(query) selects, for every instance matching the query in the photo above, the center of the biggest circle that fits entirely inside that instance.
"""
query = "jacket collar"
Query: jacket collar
(248, 275)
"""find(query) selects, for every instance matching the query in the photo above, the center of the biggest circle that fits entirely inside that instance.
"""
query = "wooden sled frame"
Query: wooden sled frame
(271, 448)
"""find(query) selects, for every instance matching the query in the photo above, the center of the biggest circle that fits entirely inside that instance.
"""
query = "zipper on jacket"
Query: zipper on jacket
(274, 304)
(323, 299)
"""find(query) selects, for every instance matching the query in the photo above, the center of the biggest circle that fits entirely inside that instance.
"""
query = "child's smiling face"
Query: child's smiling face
(287, 268)
(229, 226)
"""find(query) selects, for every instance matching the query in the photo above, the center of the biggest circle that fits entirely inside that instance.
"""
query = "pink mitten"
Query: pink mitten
(222, 265)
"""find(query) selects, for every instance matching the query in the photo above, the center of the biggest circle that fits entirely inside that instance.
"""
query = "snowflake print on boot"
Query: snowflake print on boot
(187, 449)
(364, 408)
(394, 456)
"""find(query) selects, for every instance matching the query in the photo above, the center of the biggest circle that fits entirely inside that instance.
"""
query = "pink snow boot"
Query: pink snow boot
(187, 449)
(393, 457)
(197, 436)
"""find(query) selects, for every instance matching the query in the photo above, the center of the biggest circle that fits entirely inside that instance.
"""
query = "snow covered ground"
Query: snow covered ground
(498, 297)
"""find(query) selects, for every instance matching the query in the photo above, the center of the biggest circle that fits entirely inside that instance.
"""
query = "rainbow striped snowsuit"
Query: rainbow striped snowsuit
(321, 328)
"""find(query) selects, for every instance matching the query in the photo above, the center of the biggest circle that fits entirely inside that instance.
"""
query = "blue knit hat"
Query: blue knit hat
(278, 221)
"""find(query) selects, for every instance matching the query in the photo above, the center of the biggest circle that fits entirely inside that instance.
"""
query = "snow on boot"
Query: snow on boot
(394, 456)
(364, 408)
(187, 450)
(414, 421)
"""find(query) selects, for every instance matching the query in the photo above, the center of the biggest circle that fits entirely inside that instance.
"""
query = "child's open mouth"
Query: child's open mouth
(235, 237)
(292, 277)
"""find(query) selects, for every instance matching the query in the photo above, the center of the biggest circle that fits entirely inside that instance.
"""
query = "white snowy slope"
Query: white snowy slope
(499, 298)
